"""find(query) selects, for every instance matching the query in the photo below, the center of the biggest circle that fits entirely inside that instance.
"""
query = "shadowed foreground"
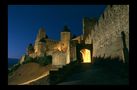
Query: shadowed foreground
(102, 72)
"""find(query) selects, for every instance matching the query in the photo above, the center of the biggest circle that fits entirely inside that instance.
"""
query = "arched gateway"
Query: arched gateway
(84, 52)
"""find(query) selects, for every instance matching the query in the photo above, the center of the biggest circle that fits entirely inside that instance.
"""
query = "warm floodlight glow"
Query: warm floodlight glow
(59, 48)
(86, 55)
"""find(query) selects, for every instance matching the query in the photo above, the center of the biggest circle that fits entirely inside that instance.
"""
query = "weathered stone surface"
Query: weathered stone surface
(104, 34)
(107, 32)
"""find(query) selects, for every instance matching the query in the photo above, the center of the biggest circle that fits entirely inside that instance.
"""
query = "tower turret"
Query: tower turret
(41, 36)
(88, 25)
(65, 42)
(65, 34)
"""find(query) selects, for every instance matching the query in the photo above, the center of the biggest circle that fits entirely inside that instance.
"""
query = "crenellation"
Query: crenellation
(104, 34)
(111, 23)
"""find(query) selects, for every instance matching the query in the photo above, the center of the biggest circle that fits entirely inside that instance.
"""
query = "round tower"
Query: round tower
(65, 42)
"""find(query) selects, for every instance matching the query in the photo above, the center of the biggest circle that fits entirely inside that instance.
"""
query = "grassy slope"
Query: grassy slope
(27, 72)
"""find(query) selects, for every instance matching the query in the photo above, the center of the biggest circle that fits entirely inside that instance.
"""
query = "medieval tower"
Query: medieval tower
(65, 41)
(106, 37)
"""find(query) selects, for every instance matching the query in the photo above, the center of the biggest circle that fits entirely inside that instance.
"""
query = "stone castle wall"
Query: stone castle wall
(106, 34)
(50, 44)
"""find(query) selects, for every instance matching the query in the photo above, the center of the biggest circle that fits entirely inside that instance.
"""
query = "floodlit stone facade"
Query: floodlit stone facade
(105, 34)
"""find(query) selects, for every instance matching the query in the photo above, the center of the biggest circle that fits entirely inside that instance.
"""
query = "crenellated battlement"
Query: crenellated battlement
(106, 33)
(52, 41)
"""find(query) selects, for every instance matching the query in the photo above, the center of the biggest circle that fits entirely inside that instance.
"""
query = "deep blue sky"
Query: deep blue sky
(24, 22)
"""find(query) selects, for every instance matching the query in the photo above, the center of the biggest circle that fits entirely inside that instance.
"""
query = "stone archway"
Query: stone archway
(86, 55)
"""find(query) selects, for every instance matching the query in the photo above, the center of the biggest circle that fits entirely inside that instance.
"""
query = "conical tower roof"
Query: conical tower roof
(66, 29)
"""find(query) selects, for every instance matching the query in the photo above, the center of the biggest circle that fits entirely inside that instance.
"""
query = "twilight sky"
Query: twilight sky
(24, 22)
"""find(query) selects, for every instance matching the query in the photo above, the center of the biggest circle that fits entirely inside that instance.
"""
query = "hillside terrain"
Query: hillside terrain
(28, 72)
